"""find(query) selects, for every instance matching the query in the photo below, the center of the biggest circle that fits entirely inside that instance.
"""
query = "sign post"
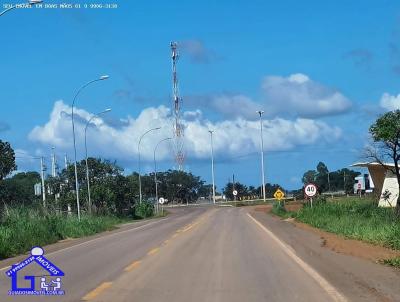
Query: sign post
(235, 193)
(310, 190)
(279, 195)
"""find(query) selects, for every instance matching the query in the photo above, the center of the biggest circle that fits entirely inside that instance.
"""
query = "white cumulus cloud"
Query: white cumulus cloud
(390, 102)
(298, 95)
(231, 137)
(295, 96)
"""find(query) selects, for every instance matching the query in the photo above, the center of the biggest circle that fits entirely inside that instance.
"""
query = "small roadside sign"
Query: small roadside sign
(235, 193)
(359, 186)
(310, 190)
(161, 200)
(279, 195)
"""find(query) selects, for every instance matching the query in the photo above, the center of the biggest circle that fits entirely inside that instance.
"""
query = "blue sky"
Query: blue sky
(327, 63)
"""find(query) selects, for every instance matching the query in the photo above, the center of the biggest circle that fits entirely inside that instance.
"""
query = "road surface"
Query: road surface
(195, 254)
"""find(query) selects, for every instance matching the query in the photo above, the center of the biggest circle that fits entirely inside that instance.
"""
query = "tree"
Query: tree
(309, 176)
(19, 188)
(240, 188)
(7, 159)
(322, 169)
(386, 134)
(339, 180)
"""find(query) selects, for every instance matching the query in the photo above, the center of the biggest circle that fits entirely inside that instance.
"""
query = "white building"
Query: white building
(385, 182)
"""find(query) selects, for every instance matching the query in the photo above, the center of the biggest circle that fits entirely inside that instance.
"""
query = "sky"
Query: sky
(321, 71)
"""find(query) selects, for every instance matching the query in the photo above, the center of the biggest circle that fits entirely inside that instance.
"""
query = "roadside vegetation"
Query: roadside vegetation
(353, 218)
(22, 228)
(356, 219)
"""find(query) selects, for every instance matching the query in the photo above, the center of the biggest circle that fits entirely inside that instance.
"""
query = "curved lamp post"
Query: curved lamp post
(260, 112)
(86, 158)
(140, 181)
(155, 167)
(31, 2)
(104, 77)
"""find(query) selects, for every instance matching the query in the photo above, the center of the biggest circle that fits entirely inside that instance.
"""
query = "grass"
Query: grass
(392, 262)
(355, 219)
(24, 228)
(280, 210)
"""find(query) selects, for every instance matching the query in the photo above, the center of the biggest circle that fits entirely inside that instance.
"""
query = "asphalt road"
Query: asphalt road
(197, 254)
(89, 263)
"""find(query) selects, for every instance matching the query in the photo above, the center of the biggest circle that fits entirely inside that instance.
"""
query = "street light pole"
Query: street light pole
(155, 168)
(105, 77)
(86, 158)
(140, 181)
(212, 165)
(31, 2)
(260, 112)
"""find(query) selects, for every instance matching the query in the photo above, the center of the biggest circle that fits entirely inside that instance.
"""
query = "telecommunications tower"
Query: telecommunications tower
(177, 102)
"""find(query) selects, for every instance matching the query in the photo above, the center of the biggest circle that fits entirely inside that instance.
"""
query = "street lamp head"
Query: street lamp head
(211, 131)
(35, 1)
(260, 112)
(104, 77)
(107, 110)
(158, 128)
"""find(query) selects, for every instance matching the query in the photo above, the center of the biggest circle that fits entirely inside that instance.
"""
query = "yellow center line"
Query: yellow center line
(97, 291)
(166, 241)
(133, 265)
(153, 251)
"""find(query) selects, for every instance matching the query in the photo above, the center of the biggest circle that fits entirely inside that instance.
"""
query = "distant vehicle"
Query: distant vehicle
(363, 183)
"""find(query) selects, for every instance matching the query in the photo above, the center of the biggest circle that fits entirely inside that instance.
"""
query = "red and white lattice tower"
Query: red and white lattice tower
(177, 103)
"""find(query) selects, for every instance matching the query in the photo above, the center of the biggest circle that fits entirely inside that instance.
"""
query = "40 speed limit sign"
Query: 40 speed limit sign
(310, 190)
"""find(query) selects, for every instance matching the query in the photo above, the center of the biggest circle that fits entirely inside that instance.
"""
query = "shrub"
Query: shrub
(279, 209)
(144, 210)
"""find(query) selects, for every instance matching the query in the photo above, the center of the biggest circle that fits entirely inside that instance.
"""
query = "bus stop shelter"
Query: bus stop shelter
(385, 181)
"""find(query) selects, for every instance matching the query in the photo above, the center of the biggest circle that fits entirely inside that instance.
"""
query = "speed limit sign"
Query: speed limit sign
(310, 190)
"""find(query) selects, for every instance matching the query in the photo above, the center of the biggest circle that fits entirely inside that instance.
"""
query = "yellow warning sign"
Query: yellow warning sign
(279, 194)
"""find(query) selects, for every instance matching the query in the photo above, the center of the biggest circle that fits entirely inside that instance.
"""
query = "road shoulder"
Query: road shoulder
(359, 279)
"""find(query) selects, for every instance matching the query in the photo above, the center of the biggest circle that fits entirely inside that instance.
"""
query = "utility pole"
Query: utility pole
(42, 169)
(233, 186)
(53, 163)
(260, 112)
(329, 183)
(53, 169)
(155, 169)
(138, 148)
(212, 165)
(65, 161)
(344, 182)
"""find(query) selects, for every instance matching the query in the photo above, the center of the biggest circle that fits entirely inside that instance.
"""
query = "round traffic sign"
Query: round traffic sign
(161, 200)
(310, 190)
(235, 192)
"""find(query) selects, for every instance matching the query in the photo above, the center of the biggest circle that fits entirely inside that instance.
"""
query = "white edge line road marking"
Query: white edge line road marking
(332, 292)
(98, 238)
